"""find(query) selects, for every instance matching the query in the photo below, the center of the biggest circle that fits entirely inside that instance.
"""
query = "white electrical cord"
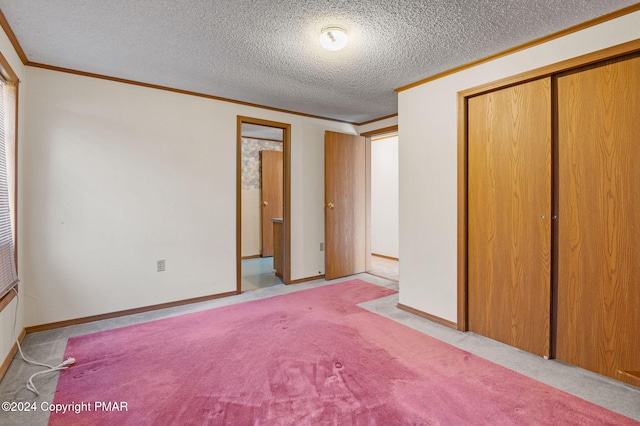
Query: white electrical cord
(50, 368)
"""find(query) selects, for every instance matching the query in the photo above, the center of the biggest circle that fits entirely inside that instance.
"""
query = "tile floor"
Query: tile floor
(258, 273)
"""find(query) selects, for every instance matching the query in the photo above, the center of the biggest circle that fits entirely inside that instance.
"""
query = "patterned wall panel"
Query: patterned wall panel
(251, 160)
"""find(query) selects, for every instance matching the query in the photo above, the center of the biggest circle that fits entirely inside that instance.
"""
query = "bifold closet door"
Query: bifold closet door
(599, 218)
(509, 209)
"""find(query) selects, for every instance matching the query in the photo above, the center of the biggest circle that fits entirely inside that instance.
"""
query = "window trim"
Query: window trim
(11, 78)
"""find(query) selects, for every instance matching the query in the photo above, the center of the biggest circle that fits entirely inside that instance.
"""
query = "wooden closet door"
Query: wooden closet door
(599, 218)
(509, 208)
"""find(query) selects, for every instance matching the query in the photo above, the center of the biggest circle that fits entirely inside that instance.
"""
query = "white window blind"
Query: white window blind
(8, 273)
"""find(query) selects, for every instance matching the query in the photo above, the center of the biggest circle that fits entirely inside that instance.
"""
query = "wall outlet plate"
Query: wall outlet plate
(160, 265)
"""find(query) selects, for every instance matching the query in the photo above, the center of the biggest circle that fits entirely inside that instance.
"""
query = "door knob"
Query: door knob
(265, 203)
(330, 205)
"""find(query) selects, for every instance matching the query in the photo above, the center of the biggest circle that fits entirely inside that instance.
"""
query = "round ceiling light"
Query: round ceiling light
(333, 38)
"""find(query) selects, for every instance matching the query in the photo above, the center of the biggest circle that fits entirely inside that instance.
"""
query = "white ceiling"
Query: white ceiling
(267, 52)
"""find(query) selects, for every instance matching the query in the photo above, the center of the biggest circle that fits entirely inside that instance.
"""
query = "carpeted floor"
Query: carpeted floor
(305, 358)
(49, 346)
(259, 273)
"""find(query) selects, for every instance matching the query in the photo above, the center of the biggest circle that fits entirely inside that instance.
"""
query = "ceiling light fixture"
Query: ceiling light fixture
(333, 38)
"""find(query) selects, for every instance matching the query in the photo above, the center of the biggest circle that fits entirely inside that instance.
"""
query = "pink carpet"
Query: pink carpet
(307, 358)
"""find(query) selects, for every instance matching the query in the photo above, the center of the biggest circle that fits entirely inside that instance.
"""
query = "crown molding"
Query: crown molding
(604, 18)
(12, 38)
(23, 57)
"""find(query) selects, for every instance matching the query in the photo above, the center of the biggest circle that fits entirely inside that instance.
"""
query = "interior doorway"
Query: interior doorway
(259, 266)
(348, 233)
(385, 250)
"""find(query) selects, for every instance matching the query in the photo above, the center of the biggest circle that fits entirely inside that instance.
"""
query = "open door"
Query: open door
(272, 189)
(345, 205)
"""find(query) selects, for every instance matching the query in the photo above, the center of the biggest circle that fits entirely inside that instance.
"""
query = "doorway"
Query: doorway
(385, 252)
(256, 264)
(348, 234)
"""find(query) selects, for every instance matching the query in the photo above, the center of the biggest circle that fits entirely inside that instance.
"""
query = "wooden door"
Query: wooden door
(345, 208)
(509, 214)
(599, 218)
(272, 189)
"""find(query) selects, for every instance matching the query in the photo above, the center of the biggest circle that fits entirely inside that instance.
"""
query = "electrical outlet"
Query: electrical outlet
(321, 246)
(160, 265)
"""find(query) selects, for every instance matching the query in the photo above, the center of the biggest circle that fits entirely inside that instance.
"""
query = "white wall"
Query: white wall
(118, 176)
(428, 162)
(384, 197)
(380, 124)
(8, 313)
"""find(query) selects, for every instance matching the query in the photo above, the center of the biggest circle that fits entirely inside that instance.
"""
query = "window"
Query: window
(8, 97)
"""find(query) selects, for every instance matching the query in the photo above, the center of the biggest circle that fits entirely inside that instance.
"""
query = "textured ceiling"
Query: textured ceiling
(261, 132)
(268, 52)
